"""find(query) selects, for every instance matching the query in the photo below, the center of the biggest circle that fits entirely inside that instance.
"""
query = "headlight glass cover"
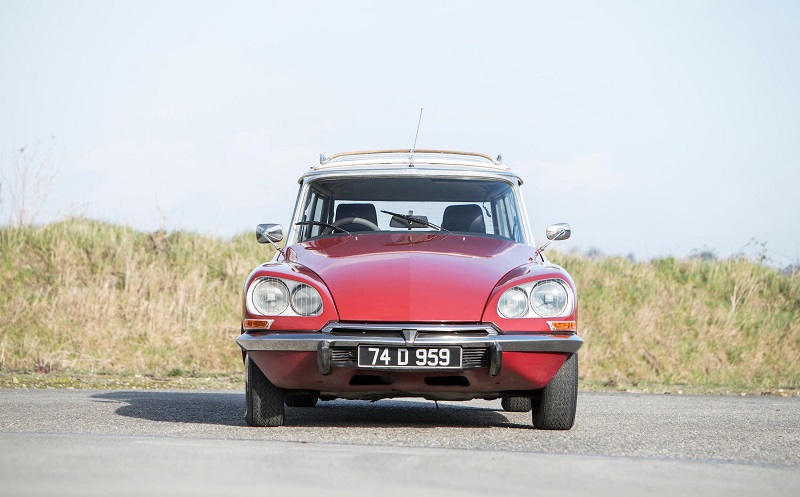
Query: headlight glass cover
(549, 299)
(513, 303)
(546, 298)
(270, 296)
(305, 300)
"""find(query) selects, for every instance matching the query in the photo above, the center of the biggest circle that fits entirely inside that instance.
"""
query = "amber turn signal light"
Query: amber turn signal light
(257, 324)
(563, 325)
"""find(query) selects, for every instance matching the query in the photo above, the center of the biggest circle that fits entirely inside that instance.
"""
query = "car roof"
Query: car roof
(400, 161)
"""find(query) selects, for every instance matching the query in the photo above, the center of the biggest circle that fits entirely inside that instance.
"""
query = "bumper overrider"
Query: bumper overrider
(336, 344)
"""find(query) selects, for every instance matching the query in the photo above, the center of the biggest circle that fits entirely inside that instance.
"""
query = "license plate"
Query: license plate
(409, 357)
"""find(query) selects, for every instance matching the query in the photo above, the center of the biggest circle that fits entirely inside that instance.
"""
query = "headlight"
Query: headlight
(513, 303)
(549, 298)
(305, 300)
(270, 296)
(546, 298)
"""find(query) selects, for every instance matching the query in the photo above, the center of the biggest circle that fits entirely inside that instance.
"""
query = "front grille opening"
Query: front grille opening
(371, 379)
(479, 332)
(396, 329)
(447, 381)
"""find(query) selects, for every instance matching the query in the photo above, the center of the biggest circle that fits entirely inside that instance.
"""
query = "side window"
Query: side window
(500, 217)
(488, 220)
(318, 211)
(505, 217)
(512, 217)
(314, 210)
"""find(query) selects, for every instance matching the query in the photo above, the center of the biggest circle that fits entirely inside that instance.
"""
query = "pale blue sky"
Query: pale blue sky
(653, 128)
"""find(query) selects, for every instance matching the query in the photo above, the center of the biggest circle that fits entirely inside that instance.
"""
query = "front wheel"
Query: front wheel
(555, 407)
(264, 401)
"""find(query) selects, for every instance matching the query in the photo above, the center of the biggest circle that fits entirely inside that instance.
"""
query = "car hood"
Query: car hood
(410, 277)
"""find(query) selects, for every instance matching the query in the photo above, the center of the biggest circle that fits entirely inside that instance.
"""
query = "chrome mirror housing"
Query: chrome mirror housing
(269, 233)
(559, 231)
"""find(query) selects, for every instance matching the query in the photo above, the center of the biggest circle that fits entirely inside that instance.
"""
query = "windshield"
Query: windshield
(481, 207)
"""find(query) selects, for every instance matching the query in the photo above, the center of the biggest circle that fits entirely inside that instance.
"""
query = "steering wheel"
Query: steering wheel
(352, 220)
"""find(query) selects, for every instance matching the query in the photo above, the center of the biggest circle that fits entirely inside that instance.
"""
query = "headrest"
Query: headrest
(364, 211)
(467, 217)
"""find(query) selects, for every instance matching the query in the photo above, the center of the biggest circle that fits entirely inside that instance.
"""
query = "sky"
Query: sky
(655, 128)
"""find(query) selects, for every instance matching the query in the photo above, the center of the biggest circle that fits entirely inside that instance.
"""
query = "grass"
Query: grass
(713, 324)
(88, 296)
(86, 303)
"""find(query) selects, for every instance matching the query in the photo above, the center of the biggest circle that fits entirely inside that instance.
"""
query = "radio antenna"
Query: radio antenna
(411, 154)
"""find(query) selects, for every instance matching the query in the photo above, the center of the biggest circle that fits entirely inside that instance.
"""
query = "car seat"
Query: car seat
(364, 211)
(467, 217)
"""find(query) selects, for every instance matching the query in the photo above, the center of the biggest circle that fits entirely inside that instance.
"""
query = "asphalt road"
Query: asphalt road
(89, 442)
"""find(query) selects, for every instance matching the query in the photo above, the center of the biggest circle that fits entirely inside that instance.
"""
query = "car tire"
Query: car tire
(304, 400)
(555, 407)
(516, 404)
(264, 401)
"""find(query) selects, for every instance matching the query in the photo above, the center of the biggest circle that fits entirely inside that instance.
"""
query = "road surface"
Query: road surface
(90, 442)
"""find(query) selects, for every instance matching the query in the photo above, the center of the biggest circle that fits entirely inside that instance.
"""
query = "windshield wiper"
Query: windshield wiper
(414, 219)
(325, 225)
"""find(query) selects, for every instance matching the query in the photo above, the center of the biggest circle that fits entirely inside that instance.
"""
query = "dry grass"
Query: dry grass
(90, 296)
(85, 296)
(711, 323)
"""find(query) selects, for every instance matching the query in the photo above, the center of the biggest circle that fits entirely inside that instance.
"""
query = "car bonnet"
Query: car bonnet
(398, 277)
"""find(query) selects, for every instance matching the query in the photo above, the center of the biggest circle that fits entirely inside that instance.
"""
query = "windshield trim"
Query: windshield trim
(511, 179)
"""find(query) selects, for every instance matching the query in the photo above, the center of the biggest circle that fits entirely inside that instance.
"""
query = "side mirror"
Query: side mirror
(560, 231)
(269, 233)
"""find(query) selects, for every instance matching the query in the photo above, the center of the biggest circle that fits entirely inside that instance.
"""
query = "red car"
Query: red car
(410, 274)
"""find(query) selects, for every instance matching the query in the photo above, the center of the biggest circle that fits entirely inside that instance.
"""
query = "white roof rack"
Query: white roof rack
(410, 158)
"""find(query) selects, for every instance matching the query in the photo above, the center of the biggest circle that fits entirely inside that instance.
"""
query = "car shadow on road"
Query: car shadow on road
(227, 409)
(397, 413)
(213, 408)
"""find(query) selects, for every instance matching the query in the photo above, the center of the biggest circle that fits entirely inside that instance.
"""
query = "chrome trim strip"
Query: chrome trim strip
(401, 154)
(309, 342)
(401, 327)
(392, 170)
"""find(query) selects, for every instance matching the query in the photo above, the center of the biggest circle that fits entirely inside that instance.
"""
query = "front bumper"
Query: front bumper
(342, 336)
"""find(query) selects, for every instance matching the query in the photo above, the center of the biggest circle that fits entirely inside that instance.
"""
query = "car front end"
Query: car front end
(410, 278)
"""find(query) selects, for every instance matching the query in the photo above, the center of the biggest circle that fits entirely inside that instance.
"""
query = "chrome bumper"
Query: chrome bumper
(311, 342)
(325, 342)
(482, 335)
(350, 336)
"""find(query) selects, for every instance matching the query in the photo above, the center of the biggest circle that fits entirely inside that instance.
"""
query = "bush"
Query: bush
(87, 295)
(83, 295)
